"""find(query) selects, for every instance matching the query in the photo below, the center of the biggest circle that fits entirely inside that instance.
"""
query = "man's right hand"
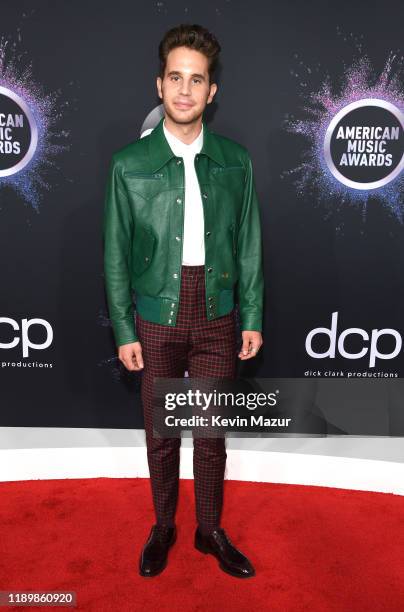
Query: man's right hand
(131, 356)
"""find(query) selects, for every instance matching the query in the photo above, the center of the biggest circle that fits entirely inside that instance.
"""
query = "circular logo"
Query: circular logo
(363, 145)
(18, 133)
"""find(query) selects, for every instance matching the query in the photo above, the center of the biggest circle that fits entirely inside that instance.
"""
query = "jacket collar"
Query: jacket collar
(160, 151)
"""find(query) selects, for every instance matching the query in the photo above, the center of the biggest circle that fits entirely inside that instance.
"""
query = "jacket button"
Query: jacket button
(208, 233)
(210, 298)
(211, 306)
(209, 269)
(205, 195)
(170, 320)
(178, 238)
(146, 259)
(172, 312)
(175, 275)
(172, 305)
(179, 161)
(179, 200)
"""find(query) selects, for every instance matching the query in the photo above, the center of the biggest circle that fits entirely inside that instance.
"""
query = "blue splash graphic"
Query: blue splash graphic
(359, 81)
(48, 111)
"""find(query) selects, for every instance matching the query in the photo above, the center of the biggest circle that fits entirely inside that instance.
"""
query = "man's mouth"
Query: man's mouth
(183, 104)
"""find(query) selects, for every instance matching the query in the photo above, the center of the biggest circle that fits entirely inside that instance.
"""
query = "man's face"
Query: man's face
(185, 88)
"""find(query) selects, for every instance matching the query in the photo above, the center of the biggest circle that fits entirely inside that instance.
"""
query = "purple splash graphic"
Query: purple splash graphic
(359, 82)
(48, 111)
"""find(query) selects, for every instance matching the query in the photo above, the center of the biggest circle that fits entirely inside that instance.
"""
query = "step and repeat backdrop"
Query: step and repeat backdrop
(316, 94)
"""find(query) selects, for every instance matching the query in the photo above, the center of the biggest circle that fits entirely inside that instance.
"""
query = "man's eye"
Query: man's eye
(175, 78)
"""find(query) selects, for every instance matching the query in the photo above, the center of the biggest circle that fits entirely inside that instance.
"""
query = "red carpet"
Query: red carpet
(314, 548)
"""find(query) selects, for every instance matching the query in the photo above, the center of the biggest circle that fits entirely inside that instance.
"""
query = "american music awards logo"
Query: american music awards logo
(354, 142)
(363, 144)
(18, 133)
(30, 134)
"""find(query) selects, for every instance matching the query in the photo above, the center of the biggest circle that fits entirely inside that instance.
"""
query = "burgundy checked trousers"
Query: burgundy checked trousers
(205, 349)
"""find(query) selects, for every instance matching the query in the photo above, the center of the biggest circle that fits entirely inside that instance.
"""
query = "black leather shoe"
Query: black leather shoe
(230, 559)
(154, 554)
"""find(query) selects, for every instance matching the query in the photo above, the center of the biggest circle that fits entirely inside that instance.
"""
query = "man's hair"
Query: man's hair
(194, 37)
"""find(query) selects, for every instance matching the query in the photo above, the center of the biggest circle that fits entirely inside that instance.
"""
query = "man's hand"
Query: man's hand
(131, 356)
(252, 341)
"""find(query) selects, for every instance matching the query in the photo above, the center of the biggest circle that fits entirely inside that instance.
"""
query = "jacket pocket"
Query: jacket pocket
(145, 184)
(144, 175)
(234, 239)
(228, 264)
(221, 170)
(228, 183)
(143, 250)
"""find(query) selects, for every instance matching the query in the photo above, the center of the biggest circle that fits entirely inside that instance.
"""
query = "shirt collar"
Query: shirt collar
(160, 152)
(181, 148)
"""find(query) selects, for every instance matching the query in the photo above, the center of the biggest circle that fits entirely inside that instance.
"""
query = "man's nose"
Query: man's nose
(185, 88)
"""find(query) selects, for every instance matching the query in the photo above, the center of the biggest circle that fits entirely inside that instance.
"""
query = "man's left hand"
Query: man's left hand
(252, 342)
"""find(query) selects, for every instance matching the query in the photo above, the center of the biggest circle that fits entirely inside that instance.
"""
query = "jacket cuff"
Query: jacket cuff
(124, 332)
(251, 322)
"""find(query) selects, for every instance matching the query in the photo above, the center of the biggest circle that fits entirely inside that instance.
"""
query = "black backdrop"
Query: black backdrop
(319, 257)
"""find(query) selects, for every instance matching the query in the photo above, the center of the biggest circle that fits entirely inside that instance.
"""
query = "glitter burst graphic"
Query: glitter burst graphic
(48, 111)
(359, 82)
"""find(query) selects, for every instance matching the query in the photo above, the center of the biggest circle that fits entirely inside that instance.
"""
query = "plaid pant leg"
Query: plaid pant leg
(164, 355)
(213, 353)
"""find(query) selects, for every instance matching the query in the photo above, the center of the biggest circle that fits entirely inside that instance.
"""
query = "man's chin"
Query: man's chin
(183, 116)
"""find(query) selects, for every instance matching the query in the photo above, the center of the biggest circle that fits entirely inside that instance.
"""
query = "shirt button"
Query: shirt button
(179, 200)
(175, 275)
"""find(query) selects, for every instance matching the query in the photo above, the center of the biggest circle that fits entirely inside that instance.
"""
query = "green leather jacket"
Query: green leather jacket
(143, 232)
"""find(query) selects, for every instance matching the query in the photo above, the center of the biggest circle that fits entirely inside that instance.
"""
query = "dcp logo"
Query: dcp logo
(23, 335)
(372, 348)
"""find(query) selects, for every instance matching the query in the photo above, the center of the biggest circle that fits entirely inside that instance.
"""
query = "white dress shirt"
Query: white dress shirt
(193, 250)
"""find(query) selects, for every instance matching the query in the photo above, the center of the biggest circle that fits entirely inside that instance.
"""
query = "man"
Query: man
(181, 227)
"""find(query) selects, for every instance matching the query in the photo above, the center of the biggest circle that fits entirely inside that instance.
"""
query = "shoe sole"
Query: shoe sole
(148, 574)
(207, 551)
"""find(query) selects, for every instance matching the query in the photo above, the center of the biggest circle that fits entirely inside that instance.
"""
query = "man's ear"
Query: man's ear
(158, 84)
(212, 92)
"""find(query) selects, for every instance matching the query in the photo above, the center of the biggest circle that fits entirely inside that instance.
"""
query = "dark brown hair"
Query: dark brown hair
(194, 37)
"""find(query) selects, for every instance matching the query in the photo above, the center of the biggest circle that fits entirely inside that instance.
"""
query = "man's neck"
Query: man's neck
(187, 133)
